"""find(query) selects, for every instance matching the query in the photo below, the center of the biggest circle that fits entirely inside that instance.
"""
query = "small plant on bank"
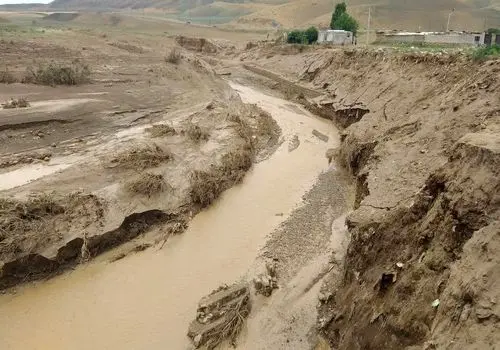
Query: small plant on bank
(7, 77)
(196, 133)
(486, 52)
(147, 184)
(53, 74)
(174, 56)
(16, 103)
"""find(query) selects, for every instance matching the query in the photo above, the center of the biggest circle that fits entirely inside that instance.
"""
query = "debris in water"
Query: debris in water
(320, 136)
(220, 316)
(266, 283)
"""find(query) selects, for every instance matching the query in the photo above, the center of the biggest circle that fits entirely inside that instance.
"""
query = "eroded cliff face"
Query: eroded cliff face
(421, 268)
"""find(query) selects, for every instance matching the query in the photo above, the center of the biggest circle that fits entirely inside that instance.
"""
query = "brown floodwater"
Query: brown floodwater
(147, 300)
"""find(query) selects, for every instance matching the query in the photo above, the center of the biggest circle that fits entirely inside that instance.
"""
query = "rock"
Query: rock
(435, 303)
(53, 145)
(483, 313)
(197, 340)
(46, 159)
(465, 312)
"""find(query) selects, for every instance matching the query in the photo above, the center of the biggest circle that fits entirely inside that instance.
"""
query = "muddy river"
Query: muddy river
(147, 300)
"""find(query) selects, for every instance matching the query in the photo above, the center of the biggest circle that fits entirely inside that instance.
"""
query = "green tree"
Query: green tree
(308, 36)
(297, 37)
(312, 35)
(339, 10)
(346, 22)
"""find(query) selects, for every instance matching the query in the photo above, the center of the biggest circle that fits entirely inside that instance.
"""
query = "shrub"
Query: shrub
(16, 103)
(147, 184)
(296, 37)
(197, 134)
(7, 77)
(174, 56)
(54, 74)
(312, 35)
(486, 52)
(144, 157)
(308, 36)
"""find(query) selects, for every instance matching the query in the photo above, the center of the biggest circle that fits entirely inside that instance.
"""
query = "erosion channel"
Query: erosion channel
(146, 300)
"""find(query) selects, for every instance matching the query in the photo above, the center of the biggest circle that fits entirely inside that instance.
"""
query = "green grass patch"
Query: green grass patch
(486, 52)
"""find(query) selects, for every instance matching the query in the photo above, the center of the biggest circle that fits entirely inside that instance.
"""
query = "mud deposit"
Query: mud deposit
(146, 300)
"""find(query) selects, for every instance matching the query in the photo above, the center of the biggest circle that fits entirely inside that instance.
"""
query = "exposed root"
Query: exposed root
(235, 318)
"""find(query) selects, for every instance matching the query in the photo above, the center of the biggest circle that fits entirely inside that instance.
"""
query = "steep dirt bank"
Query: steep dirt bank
(422, 140)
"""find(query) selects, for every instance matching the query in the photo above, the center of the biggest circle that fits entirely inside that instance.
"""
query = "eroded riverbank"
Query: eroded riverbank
(147, 300)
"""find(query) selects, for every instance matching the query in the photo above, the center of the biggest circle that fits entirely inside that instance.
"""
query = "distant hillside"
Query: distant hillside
(386, 14)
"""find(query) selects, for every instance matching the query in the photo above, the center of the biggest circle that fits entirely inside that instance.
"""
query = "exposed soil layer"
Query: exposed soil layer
(422, 139)
(139, 158)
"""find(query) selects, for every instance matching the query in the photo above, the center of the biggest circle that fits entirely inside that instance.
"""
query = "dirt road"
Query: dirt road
(147, 300)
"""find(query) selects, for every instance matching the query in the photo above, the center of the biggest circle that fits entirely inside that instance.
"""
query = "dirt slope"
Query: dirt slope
(420, 267)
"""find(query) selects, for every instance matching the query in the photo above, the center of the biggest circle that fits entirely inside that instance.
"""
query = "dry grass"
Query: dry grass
(142, 157)
(196, 133)
(54, 74)
(206, 186)
(161, 130)
(174, 56)
(16, 103)
(147, 184)
(22, 221)
(7, 77)
(31, 224)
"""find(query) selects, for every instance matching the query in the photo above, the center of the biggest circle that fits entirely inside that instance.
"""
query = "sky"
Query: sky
(3, 2)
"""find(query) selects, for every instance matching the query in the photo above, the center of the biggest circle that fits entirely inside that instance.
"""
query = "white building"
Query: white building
(460, 38)
(336, 37)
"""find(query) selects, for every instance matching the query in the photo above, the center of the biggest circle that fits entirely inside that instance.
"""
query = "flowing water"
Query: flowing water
(147, 300)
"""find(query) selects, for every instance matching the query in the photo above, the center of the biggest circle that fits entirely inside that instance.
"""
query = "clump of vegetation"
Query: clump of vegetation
(7, 77)
(308, 36)
(53, 74)
(29, 224)
(174, 56)
(16, 103)
(147, 184)
(206, 186)
(196, 133)
(486, 52)
(24, 221)
(342, 20)
(161, 130)
(142, 158)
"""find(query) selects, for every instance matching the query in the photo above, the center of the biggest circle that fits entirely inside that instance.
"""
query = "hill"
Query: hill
(385, 14)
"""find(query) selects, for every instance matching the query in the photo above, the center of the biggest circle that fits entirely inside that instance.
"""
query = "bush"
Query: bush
(174, 56)
(486, 52)
(54, 74)
(16, 103)
(308, 36)
(312, 35)
(7, 77)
